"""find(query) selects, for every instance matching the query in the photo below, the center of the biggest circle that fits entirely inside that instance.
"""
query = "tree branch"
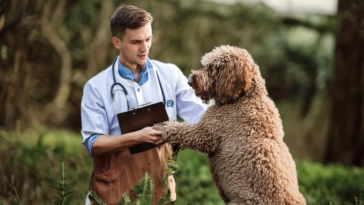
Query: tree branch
(64, 89)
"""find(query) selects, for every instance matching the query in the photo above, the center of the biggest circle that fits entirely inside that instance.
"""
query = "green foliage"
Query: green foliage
(62, 187)
(144, 192)
(193, 179)
(95, 199)
(332, 183)
(29, 163)
(16, 198)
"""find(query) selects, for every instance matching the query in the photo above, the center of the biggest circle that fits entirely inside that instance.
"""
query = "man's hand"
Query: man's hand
(148, 134)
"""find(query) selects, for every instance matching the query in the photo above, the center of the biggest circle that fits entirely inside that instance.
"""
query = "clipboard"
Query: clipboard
(137, 119)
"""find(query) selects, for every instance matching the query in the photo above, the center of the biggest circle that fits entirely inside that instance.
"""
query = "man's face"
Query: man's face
(134, 47)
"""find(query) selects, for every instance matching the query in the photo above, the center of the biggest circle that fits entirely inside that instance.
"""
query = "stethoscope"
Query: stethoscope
(124, 90)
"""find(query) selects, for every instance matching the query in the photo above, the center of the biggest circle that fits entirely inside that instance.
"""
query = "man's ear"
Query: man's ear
(116, 42)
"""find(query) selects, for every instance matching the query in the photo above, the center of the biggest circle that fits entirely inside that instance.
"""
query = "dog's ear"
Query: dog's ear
(234, 75)
(244, 72)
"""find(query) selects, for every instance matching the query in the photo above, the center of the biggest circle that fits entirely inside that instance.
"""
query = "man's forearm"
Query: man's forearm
(107, 144)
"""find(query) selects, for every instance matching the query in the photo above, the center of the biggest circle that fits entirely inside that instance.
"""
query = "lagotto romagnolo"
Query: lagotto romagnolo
(241, 133)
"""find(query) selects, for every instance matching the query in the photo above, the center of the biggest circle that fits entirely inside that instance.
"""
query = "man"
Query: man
(133, 81)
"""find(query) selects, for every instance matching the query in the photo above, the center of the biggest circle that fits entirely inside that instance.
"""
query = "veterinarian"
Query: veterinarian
(132, 81)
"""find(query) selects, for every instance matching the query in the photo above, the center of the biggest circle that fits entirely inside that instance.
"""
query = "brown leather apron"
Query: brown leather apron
(118, 173)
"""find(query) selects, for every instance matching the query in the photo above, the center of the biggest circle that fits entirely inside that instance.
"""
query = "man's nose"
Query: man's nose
(145, 46)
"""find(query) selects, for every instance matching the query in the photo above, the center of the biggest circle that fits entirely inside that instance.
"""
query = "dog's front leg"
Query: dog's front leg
(185, 136)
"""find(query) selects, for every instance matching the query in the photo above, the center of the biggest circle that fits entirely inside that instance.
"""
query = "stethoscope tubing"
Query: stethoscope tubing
(124, 90)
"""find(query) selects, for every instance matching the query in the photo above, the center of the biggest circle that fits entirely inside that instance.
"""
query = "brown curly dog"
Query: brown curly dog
(242, 133)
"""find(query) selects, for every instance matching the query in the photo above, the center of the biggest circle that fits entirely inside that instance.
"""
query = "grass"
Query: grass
(31, 161)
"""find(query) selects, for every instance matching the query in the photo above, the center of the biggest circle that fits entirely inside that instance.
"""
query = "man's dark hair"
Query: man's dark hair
(128, 16)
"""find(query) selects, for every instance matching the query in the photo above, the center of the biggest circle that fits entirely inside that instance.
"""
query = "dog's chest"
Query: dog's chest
(227, 156)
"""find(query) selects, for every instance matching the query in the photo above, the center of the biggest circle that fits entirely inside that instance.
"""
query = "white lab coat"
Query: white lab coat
(97, 110)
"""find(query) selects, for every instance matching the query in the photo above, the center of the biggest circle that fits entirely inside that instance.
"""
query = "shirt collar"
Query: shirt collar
(125, 72)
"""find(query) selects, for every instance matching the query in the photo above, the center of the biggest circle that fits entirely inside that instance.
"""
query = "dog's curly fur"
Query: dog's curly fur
(242, 133)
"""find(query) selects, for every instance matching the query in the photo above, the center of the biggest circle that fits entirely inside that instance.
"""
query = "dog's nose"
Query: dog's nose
(190, 81)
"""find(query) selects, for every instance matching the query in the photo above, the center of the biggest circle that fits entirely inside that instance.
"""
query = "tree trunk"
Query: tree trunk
(345, 140)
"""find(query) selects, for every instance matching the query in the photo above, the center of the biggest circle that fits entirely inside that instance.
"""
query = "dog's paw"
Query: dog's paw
(160, 126)
(168, 128)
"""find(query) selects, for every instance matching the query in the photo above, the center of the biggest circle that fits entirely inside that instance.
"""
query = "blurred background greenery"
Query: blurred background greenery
(312, 63)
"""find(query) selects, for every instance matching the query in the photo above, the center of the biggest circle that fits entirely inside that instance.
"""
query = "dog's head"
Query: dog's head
(229, 73)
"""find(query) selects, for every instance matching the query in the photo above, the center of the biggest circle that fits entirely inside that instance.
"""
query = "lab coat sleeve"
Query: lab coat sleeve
(189, 107)
(93, 114)
(89, 142)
